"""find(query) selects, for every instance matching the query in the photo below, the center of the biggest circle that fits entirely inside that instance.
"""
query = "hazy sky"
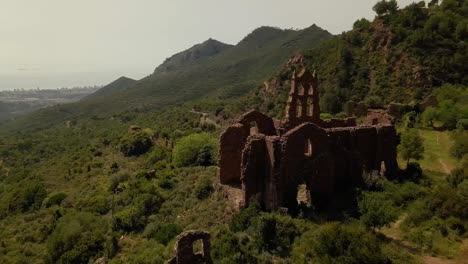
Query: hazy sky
(57, 43)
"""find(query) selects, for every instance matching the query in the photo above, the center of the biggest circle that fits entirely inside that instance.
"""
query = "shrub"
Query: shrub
(413, 172)
(77, 238)
(116, 180)
(135, 143)
(158, 154)
(148, 203)
(226, 249)
(203, 187)
(373, 102)
(337, 243)
(460, 146)
(31, 197)
(242, 220)
(195, 149)
(274, 233)
(96, 204)
(129, 219)
(166, 233)
(376, 210)
(55, 199)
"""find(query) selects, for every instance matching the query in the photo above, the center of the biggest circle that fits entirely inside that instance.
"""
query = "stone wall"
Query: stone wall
(184, 248)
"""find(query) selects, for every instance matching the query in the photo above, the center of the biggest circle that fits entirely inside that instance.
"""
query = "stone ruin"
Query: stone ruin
(185, 252)
(269, 159)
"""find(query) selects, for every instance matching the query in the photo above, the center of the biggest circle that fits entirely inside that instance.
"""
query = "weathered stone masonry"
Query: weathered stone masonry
(184, 248)
(328, 156)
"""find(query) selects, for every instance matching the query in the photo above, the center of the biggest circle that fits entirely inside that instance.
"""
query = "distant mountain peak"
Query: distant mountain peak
(209, 48)
(121, 84)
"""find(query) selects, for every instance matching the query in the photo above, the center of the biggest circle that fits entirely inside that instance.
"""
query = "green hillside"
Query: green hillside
(401, 56)
(119, 85)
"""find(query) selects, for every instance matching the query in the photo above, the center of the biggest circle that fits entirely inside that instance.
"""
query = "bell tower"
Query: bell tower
(303, 100)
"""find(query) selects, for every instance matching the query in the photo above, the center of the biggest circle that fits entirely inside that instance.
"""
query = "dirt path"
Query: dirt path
(205, 118)
(462, 258)
(444, 166)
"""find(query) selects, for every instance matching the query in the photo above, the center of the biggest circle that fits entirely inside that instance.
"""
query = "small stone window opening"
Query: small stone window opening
(308, 148)
(253, 128)
(303, 195)
(198, 247)
(298, 108)
(383, 168)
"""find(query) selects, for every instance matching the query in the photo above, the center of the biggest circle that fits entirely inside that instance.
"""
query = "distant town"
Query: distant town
(19, 101)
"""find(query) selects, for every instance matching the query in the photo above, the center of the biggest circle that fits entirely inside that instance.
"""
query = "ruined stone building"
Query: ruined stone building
(184, 248)
(269, 159)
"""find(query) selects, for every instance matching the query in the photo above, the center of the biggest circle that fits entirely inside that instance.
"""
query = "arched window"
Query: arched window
(253, 128)
(298, 108)
(198, 246)
(383, 168)
(309, 106)
(308, 148)
(301, 90)
(303, 195)
(311, 90)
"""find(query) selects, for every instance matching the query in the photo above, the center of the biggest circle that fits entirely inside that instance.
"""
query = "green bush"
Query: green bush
(337, 243)
(274, 233)
(148, 203)
(158, 154)
(195, 149)
(460, 145)
(99, 204)
(242, 220)
(77, 238)
(376, 210)
(29, 197)
(117, 180)
(166, 233)
(135, 143)
(203, 187)
(128, 220)
(227, 248)
(55, 199)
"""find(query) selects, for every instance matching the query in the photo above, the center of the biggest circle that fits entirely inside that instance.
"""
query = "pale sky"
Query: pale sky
(63, 43)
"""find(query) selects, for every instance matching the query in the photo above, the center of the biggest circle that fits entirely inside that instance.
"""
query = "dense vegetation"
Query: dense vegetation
(122, 184)
(401, 56)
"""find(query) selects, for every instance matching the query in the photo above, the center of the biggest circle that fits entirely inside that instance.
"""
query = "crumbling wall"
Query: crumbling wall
(260, 170)
(184, 248)
(338, 122)
(264, 123)
(386, 150)
(233, 141)
(305, 158)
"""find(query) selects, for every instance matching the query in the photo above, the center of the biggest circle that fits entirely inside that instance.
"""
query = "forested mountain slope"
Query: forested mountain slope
(401, 56)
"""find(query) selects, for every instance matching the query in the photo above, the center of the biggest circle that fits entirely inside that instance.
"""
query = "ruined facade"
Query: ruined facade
(269, 159)
(185, 252)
